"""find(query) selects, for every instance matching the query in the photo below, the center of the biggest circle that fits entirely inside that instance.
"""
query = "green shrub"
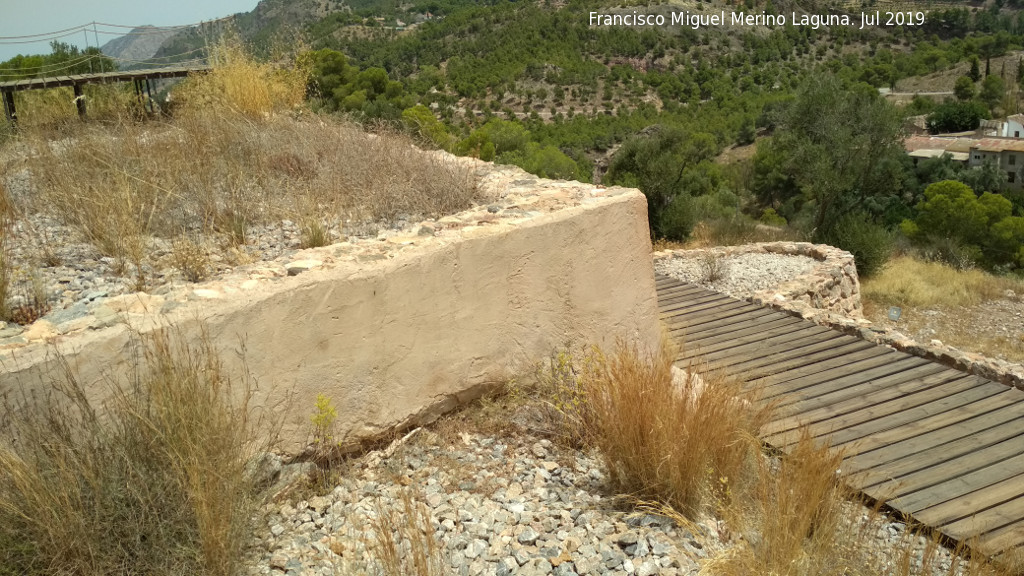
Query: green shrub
(676, 222)
(870, 243)
(771, 218)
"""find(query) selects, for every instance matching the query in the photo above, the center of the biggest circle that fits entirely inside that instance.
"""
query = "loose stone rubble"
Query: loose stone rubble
(501, 505)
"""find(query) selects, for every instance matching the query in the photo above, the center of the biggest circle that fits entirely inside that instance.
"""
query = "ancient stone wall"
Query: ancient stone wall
(829, 295)
(831, 284)
(393, 330)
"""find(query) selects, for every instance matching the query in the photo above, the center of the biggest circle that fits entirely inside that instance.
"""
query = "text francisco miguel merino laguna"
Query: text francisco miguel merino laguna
(697, 20)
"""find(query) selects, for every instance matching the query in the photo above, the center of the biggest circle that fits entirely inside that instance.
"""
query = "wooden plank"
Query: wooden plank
(726, 325)
(690, 307)
(948, 384)
(694, 326)
(855, 368)
(702, 312)
(992, 524)
(952, 487)
(840, 389)
(953, 478)
(849, 400)
(985, 506)
(939, 445)
(683, 292)
(751, 344)
(976, 400)
(678, 304)
(766, 327)
(1002, 539)
(755, 334)
(784, 361)
(665, 292)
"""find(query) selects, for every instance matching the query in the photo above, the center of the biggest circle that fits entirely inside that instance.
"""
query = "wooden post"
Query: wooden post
(80, 101)
(12, 115)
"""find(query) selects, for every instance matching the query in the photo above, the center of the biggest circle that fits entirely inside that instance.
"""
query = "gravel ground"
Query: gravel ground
(501, 504)
(738, 275)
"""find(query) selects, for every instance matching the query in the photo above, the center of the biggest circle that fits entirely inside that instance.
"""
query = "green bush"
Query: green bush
(677, 220)
(870, 243)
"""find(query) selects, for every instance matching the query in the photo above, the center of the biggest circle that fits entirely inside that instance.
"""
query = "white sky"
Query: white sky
(25, 17)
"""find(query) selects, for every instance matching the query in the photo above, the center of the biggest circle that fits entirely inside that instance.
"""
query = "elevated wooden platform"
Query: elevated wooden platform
(7, 89)
(944, 447)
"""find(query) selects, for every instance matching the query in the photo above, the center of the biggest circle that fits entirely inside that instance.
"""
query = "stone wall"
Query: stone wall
(394, 330)
(830, 285)
(829, 295)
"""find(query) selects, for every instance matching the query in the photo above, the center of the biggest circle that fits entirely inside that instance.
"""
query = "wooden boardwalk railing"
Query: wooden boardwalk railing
(944, 447)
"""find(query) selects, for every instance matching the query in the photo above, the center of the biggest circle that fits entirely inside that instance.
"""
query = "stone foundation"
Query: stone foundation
(832, 284)
(393, 330)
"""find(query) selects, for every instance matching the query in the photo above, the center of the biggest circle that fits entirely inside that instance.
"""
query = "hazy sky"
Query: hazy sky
(28, 17)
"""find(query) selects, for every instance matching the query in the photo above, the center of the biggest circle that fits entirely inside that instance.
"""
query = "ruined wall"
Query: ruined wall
(394, 330)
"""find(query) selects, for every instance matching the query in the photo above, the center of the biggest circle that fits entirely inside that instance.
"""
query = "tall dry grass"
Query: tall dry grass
(909, 282)
(223, 174)
(242, 84)
(156, 481)
(688, 443)
(42, 113)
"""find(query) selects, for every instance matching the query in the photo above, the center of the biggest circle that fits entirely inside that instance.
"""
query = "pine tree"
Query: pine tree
(975, 73)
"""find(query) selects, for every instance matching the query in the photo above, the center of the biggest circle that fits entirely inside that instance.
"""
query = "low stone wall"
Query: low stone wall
(394, 330)
(831, 284)
(829, 295)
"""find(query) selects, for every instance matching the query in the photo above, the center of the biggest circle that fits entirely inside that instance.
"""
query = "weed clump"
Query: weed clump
(156, 481)
(665, 435)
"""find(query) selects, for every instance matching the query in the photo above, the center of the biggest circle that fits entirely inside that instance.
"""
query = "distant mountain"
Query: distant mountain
(271, 22)
(141, 43)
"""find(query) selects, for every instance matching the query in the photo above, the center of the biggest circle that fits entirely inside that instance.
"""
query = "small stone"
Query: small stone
(627, 539)
(299, 266)
(277, 529)
(475, 549)
(494, 208)
(528, 536)
(279, 561)
(648, 568)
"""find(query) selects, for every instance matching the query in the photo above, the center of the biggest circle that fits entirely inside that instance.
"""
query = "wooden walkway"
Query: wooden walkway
(140, 77)
(944, 447)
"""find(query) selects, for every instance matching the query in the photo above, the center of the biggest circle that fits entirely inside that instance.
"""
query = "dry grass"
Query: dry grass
(909, 282)
(154, 482)
(404, 541)
(224, 174)
(736, 231)
(43, 112)
(229, 160)
(690, 445)
(241, 84)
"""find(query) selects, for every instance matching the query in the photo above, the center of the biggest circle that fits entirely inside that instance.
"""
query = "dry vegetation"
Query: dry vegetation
(689, 445)
(222, 174)
(239, 152)
(156, 480)
(914, 283)
(969, 309)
